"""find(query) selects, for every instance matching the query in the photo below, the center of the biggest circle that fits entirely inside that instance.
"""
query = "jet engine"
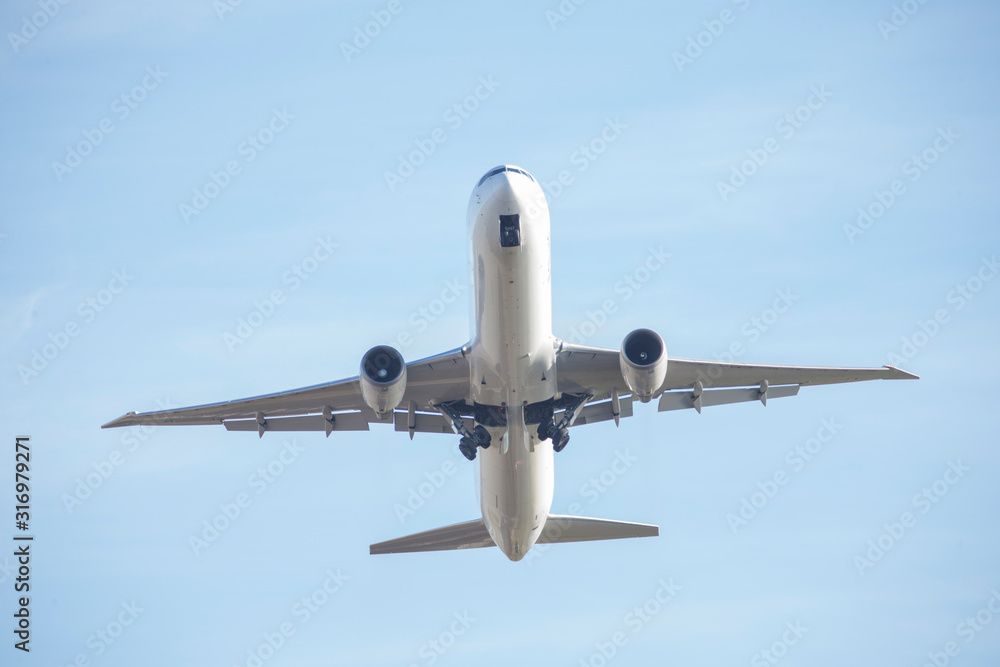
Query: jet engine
(644, 363)
(383, 378)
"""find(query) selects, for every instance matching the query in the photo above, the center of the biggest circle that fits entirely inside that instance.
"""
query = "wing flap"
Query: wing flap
(423, 422)
(680, 400)
(603, 411)
(341, 421)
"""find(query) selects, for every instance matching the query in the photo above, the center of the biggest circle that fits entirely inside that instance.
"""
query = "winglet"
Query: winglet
(900, 374)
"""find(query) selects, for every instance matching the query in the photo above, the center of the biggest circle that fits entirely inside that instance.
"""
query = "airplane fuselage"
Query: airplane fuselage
(512, 357)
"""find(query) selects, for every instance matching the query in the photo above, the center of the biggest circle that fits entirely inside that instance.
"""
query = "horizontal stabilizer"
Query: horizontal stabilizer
(468, 535)
(559, 528)
(473, 534)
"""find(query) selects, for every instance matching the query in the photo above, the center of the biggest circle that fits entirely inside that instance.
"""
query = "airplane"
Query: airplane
(514, 390)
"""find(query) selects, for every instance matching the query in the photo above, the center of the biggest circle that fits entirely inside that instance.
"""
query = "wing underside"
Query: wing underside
(333, 406)
(582, 371)
(694, 383)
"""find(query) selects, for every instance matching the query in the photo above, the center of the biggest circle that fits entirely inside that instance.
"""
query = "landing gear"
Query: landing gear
(546, 428)
(549, 430)
(482, 436)
(560, 440)
(471, 440)
(468, 445)
(467, 448)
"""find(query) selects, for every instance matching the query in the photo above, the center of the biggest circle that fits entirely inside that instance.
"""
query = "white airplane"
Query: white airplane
(514, 390)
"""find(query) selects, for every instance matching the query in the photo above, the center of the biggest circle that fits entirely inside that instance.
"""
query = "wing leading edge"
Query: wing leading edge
(333, 406)
(581, 370)
(695, 383)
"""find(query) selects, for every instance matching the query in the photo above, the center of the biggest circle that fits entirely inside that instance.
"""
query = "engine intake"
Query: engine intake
(383, 378)
(644, 363)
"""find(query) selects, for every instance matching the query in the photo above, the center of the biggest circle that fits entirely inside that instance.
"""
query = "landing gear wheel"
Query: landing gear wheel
(482, 436)
(467, 448)
(545, 430)
(560, 440)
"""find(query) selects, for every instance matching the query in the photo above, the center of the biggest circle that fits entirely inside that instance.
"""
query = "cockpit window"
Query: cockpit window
(494, 172)
(510, 231)
(491, 172)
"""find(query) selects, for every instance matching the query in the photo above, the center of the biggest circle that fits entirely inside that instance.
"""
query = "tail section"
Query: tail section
(468, 535)
(561, 528)
(474, 535)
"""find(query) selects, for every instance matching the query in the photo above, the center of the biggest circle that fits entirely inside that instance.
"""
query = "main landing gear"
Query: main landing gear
(469, 444)
(471, 440)
(549, 430)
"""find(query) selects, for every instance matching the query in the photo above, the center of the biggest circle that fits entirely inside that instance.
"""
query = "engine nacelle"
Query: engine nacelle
(383, 378)
(644, 363)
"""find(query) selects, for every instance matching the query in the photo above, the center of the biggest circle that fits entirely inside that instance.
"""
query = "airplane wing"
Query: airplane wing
(693, 383)
(334, 406)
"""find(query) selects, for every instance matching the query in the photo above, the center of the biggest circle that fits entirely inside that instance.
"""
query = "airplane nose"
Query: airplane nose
(502, 188)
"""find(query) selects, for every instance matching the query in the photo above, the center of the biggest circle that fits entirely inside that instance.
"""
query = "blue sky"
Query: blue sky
(119, 115)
